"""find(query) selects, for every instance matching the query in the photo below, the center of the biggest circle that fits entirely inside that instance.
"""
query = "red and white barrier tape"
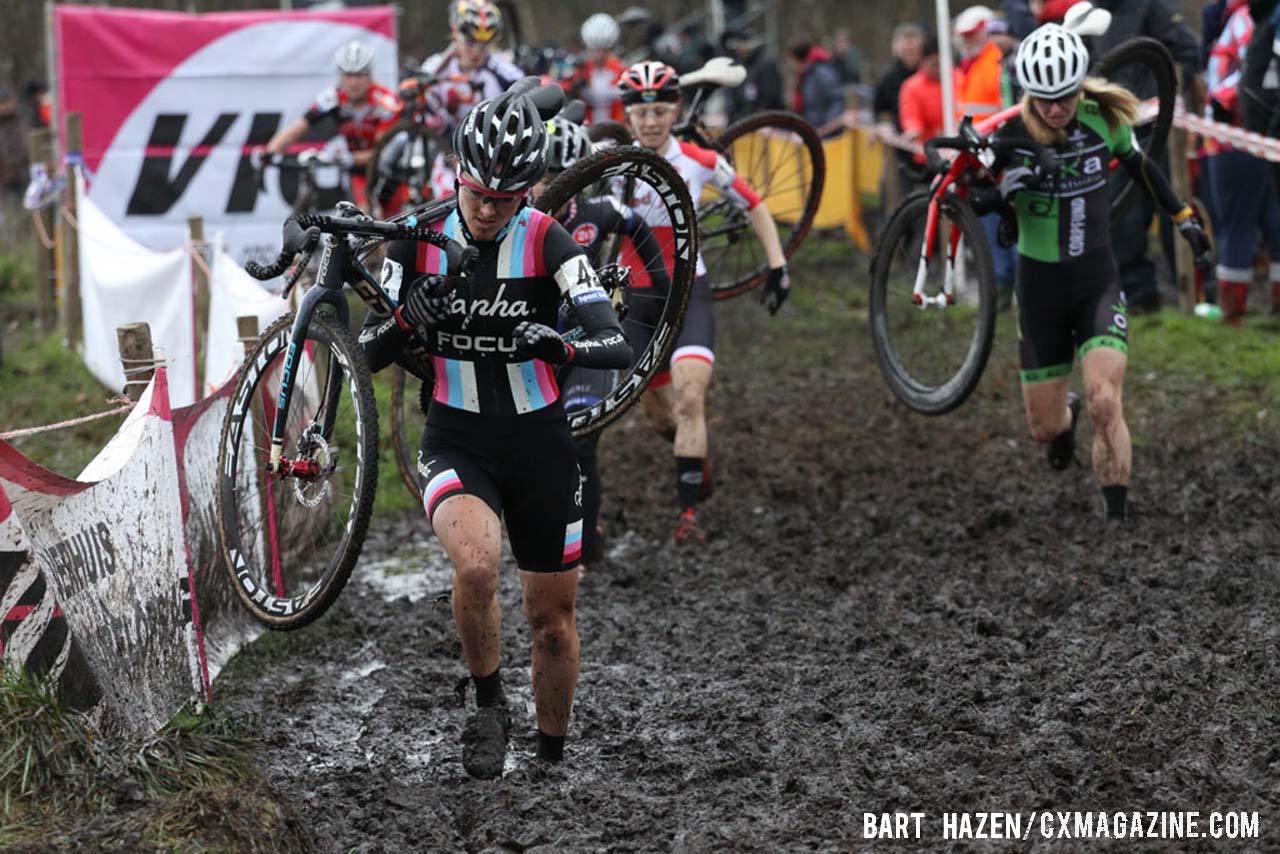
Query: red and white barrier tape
(1265, 147)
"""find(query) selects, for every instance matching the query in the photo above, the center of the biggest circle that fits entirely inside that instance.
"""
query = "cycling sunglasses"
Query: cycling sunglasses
(1061, 100)
(644, 111)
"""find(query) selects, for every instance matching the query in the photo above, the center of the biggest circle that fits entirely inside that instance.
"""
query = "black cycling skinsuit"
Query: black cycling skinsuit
(592, 223)
(496, 426)
(1068, 287)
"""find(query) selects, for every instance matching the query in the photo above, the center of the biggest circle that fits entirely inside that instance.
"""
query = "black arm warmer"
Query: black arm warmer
(1148, 176)
(603, 345)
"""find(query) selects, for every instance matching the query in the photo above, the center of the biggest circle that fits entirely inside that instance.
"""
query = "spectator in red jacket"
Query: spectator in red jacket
(920, 100)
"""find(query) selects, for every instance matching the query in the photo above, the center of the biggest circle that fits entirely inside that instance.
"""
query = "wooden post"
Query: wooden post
(200, 287)
(247, 328)
(1184, 263)
(137, 357)
(69, 238)
(40, 151)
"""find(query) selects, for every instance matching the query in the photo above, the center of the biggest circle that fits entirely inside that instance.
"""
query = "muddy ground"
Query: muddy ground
(891, 613)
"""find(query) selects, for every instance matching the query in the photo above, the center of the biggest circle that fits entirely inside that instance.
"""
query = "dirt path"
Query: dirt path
(892, 613)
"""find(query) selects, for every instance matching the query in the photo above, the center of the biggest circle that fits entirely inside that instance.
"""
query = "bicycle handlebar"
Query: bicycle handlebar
(302, 230)
(935, 163)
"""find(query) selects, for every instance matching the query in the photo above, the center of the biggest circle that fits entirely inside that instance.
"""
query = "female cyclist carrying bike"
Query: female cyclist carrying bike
(676, 401)
(496, 447)
(1068, 287)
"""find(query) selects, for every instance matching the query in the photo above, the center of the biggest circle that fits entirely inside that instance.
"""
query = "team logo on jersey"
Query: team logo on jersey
(586, 234)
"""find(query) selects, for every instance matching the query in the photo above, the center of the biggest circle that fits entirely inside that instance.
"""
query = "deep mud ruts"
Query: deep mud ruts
(891, 613)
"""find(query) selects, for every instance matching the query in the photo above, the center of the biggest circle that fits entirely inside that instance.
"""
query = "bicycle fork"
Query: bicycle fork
(328, 289)
(947, 296)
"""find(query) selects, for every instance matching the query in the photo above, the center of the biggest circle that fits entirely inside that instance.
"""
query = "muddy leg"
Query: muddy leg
(1045, 404)
(1103, 380)
(549, 601)
(471, 535)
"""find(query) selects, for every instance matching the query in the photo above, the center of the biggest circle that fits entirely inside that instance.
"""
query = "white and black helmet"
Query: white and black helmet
(568, 144)
(600, 31)
(354, 57)
(1051, 62)
(502, 144)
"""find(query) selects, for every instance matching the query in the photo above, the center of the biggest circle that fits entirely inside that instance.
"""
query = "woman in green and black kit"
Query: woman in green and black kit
(1068, 288)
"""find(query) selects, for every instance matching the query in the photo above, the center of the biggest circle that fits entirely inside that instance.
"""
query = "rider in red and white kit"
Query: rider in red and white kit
(363, 110)
(676, 402)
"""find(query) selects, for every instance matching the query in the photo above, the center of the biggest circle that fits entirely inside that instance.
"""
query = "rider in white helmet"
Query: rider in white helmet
(596, 80)
(361, 109)
(1068, 286)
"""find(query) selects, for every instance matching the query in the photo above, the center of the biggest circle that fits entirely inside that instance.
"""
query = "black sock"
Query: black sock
(550, 747)
(489, 689)
(1115, 500)
(688, 481)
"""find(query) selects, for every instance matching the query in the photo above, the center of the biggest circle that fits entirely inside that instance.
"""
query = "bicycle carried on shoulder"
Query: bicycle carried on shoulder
(297, 460)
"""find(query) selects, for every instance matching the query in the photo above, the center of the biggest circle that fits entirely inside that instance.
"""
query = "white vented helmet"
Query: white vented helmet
(1051, 62)
(354, 57)
(600, 31)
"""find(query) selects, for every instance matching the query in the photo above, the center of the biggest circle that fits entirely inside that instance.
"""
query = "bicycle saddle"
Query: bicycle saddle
(719, 71)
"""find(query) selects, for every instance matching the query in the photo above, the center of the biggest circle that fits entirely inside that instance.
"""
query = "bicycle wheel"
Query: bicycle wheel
(1144, 67)
(399, 171)
(291, 541)
(653, 191)
(406, 426)
(932, 356)
(780, 156)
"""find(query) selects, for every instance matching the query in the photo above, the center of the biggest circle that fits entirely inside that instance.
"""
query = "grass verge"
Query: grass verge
(191, 787)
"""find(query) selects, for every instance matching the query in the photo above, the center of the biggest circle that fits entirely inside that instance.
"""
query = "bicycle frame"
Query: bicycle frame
(966, 161)
(340, 264)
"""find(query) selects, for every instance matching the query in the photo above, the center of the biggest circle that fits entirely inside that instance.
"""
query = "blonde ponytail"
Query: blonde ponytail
(1117, 104)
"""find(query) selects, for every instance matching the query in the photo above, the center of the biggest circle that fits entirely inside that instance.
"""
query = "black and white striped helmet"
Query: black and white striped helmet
(568, 144)
(502, 145)
(1051, 62)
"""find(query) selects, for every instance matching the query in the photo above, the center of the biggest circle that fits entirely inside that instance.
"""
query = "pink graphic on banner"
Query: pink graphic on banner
(110, 59)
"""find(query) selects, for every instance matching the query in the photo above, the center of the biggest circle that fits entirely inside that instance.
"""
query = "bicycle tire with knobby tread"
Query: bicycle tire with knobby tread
(272, 343)
(1156, 58)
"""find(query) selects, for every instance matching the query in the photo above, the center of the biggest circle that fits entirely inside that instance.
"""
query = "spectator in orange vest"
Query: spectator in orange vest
(980, 64)
(920, 99)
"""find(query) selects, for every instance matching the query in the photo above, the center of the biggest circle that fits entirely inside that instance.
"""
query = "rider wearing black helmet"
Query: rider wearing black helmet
(496, 446)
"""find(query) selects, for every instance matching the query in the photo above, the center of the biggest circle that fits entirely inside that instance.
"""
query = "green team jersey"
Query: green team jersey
(1069, 216)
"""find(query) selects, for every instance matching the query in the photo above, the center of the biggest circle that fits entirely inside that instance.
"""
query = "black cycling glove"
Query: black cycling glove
(425, 301)
(776, 288)
(541, 342)
(1193, 232)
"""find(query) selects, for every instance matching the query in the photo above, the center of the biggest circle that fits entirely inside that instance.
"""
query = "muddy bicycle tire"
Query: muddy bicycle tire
(1151, 62)
(623, 165)
(742, 277)
(402, 443)
(320, 523)
(914, 379)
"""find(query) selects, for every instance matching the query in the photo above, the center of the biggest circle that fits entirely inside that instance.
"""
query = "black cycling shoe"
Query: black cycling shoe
(1062, 450)
(484, 741)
